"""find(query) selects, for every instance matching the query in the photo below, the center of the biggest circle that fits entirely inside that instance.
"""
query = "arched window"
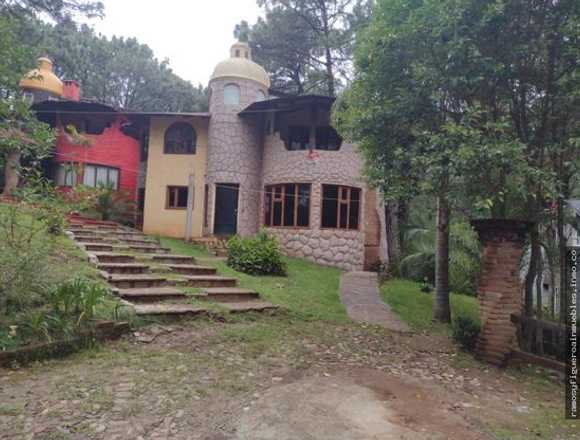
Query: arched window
(180, 138)
(261, 96)
(231, 94)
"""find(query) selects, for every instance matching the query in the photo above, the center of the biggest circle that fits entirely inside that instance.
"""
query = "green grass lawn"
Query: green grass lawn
(309, 290)
(415, 307)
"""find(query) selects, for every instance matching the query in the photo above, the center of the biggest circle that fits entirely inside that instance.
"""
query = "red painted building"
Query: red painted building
(96, 145)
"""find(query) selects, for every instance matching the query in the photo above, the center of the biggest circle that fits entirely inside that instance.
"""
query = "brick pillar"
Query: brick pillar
(499, 292)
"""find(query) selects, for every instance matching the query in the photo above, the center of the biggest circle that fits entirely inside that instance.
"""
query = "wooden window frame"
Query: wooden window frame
(281, 198)
(108, 168)
(342, 201)
(174, 126)
(175, 189)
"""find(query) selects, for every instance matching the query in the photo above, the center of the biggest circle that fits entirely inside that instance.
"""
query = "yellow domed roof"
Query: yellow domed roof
(240, 65)
(42, 79)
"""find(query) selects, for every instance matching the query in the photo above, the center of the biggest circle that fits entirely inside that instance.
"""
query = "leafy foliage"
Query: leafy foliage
(418, 263)
(24, 260)
(306, 44)
(259, 255)
(465, 332)
(119, 71)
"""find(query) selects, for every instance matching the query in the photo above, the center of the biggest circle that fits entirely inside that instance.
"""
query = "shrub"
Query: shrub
(465, 332)
(24, 259)
(259, 255)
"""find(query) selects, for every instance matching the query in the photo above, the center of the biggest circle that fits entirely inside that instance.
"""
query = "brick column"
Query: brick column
(499, 292)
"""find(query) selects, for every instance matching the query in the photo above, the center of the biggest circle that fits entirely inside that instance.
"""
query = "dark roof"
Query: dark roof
(288, 104)
(86, 106)
(72, 106)
(185, 114)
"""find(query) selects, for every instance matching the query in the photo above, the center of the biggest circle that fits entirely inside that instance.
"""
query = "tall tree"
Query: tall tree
(307, 43)
(442, 95)
(57, 9)
(119, 71)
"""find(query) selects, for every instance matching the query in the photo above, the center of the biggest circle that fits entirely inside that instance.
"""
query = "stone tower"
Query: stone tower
(235, 150)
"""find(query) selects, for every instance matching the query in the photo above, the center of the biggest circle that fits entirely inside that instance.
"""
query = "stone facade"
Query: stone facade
(499, 292)
(235, 152)
(333, 247)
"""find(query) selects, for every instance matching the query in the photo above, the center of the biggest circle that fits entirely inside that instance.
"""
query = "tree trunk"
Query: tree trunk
(532, 270)
(562, 243)
(392, 234)
(11, 177)
(540, 285)
(441, 308)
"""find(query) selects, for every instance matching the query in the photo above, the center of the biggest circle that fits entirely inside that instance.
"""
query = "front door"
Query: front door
(226, 209)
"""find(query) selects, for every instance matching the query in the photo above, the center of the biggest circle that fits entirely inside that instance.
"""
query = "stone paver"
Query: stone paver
(359, 292)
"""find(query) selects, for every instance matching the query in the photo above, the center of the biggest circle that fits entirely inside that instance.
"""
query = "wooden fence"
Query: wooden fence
(542, 338)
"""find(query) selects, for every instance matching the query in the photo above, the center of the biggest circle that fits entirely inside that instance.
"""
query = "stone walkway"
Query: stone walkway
(359, 292)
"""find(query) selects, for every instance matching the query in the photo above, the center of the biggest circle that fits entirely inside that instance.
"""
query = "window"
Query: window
(180, 138)
(231, 94)
(176, 197)
(340, 207)
(298, 138)
(261, 96)
(327, 139)
(96, 176)
(287, 205)
(66, 175)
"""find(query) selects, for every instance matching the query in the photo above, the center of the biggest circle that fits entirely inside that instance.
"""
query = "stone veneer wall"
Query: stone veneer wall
(499, 291)
(332, 247)
(235, 152)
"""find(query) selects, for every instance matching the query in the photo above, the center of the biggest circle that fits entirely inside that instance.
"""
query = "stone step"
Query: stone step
(111, 257)
(97, 246)
(123, 268)
(191, 269)
(151, 294)
(94, 239)
(169, 310)
(209, 281)
(137, 241)
(229, 294)
(249, 306)
(149, 248)
(172, 259)
(136, 281)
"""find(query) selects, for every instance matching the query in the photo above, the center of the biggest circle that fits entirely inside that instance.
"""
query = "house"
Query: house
(254, 161)
(110, 152)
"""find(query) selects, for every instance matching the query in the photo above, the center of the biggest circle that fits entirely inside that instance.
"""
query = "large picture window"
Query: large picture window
(97, 176)
(340, 207)
(66, 175)
(287, 205)
(180, 138)
(176, 197)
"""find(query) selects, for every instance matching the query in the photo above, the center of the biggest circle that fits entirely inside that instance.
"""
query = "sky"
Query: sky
(194, 35)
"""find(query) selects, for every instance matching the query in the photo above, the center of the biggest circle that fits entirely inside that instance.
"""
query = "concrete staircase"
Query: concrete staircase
(153, 281)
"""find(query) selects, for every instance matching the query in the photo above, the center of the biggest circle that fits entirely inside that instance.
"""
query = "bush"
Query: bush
(259, 255)
(24, 259)
(465, 332)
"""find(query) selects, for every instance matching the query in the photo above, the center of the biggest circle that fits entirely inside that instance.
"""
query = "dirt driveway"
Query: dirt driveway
(276, 378)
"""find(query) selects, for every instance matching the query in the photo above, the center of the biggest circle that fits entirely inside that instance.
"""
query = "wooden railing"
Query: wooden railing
(541, 338)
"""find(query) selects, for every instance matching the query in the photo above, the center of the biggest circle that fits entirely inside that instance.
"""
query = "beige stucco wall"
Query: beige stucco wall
(165, 170)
